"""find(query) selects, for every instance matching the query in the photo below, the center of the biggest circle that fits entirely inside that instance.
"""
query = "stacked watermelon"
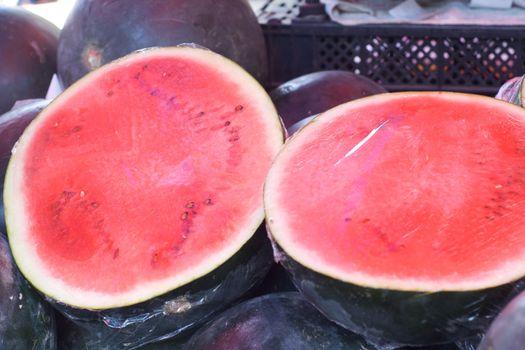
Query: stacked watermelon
(150, 202)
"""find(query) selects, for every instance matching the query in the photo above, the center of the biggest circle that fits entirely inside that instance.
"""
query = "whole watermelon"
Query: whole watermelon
(99, 31)
(28, 45)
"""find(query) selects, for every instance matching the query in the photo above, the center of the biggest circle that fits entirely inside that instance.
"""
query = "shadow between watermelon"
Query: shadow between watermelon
(133, 199)
(401, 216)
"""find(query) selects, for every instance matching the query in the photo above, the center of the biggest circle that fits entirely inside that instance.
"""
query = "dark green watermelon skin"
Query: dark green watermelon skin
(28, 47)
(172, 314)
(98, 32)
(390, 318)
(507, 332)
(280, 321)
(26, 321)
(317, 92)
(12, 125)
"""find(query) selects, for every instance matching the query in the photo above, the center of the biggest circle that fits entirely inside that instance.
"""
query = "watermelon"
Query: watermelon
(133, 200)
(26, 321)
(280, 321)
(97, 32)
(12, 124)
(402, 216)
(27, 55)
(507, 331)
(317, 92)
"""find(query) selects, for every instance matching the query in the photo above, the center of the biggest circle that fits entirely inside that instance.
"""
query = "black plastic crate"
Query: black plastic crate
(477, 59)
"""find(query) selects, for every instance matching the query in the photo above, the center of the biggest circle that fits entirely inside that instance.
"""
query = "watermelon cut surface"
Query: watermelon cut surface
(140, 178)
(401, 216)
(418, 191)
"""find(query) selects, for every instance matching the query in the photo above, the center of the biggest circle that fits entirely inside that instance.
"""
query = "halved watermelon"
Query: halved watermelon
(143, 178)
(402, 216)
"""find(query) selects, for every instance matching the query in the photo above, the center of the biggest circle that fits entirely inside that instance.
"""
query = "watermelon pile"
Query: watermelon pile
(166, 200)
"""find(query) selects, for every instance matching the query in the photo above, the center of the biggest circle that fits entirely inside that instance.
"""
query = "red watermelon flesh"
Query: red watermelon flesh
(141, 177)
(408, 191)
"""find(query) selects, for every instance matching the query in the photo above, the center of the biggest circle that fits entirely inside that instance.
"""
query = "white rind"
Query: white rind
(280, 229)
(19, 227)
